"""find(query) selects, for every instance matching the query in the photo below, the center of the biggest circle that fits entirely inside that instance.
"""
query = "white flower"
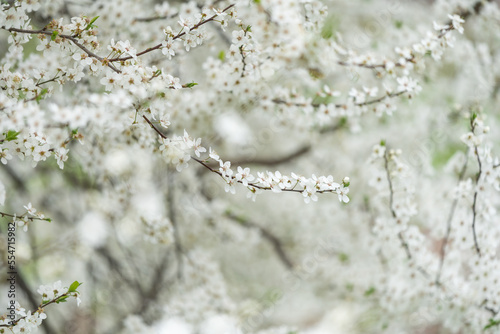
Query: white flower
(225, 168)
(31, 210)
(342, 193)
(198, 148)
(244, 176)
(456, 22)
(214, 155)
(168, 47)
(309, 194)
(220, 13)
(4, 156)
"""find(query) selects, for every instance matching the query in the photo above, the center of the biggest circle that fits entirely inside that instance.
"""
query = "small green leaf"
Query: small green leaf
(74, 286)
(42, 93)
(11, 135)
(222, 55)
(61, 299)
(190, 85)
(90, 25)
(256, 1)
(492, 323)
(248, 28)
(370, 291)
(343, 257)
(382, 142)
(398, 24)
(54, 35)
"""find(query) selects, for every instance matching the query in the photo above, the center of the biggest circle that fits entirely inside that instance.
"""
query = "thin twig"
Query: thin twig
(179, 35)
(73, 39)
(474, 213)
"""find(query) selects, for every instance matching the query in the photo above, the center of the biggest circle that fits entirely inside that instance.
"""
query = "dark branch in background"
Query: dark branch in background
(157, 284)
(116, 266)
(268, 236)
(450, 219)
(342, 105)
(272, 161)
(154, 18)
(476, 9)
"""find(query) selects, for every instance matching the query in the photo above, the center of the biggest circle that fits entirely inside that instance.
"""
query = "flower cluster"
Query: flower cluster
(28, 321)
(158, 231)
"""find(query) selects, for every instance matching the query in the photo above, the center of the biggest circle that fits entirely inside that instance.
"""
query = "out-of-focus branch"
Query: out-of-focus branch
(268, 236)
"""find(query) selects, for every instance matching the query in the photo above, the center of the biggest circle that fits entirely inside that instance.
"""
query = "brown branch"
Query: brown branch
(179, 35)
(73, 39)
(389, 180)
(3, 214)
(474, 213)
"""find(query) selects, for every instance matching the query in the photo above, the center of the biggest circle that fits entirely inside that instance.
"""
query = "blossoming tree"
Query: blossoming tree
(187, 162)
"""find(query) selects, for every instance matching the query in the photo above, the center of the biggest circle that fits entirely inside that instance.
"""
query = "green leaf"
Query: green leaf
(492, 323)
(90, 25)
(74, 286)
(370, 291)
(256, 1)
(248, 28)
(54, 35)
(382, 142)
(42, 93)
(222, 55)
(22, 95)
(11, 135)
(398, 24)
(190, 85)
(61, 299)
(343, 257)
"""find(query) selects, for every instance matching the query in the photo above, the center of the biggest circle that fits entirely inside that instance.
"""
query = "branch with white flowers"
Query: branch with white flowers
(175, 150)
(30, 321)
